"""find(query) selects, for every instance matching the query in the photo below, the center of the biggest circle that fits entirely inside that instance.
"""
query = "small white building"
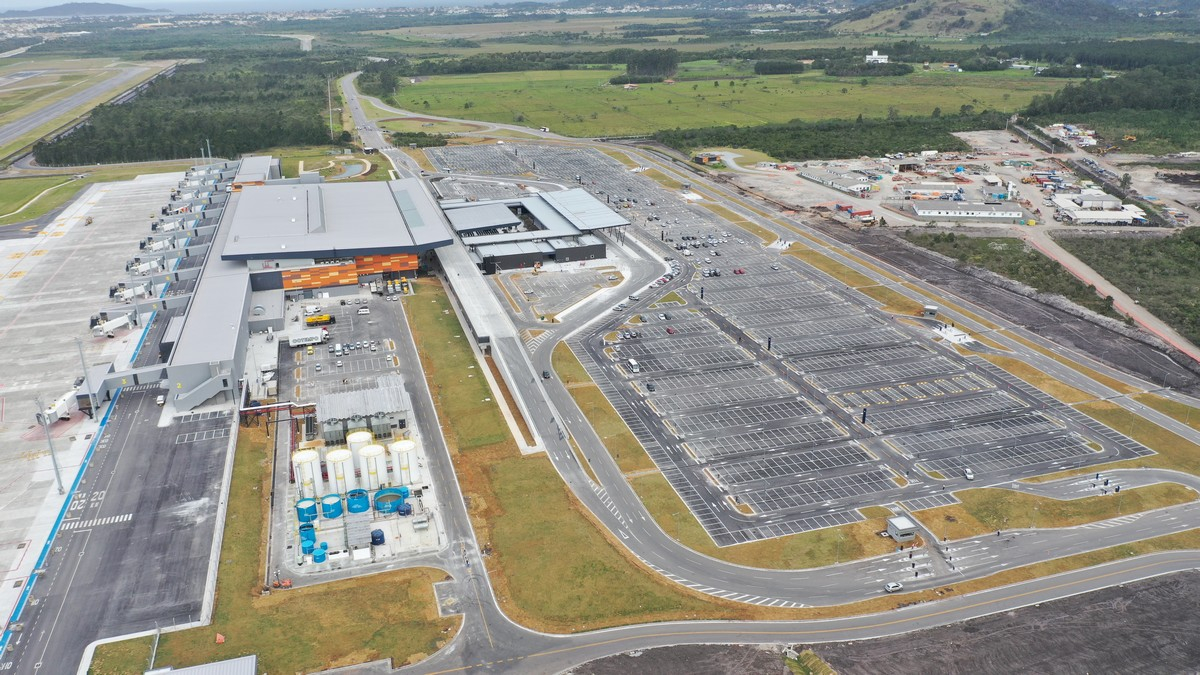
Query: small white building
(876, 57)
(901, 528)
(944, 208)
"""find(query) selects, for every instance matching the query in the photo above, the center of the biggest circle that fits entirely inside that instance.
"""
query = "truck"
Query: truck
(311, 336)
(319, 320)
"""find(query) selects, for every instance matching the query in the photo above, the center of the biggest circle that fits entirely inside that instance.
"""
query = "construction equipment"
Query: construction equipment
(1130, 138)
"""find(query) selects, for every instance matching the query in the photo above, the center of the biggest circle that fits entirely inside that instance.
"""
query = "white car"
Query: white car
(893, 586)
(968, 474)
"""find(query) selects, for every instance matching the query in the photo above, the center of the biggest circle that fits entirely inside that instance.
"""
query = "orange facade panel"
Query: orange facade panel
(378, 264)
(318, 277)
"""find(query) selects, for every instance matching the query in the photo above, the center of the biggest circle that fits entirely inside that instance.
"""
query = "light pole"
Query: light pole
(87, 380)
(41, 418)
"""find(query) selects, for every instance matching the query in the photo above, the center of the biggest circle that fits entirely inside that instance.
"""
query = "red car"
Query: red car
(670, 331)
(739, 271)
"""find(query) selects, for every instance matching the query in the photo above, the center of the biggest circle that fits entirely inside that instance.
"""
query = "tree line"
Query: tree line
(235, 105)
(830, 139)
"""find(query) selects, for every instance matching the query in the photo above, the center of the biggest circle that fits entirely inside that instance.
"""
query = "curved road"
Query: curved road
(488, 639)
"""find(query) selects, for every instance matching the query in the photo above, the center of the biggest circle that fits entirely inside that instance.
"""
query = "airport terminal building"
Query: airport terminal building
(266, 240)
(532, 230)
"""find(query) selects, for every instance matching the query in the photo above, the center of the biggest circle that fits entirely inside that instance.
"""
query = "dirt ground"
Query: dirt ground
(1147, 627)
(691, 660)
(1062, 328)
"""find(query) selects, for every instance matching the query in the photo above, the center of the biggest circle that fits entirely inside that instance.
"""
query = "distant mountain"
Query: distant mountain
(79, 9)
(966, 17)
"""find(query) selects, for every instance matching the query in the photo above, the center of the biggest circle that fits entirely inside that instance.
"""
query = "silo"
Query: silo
(308, 532)
(341, 470)
(307, 465)
(415, 474)
(331, 506)
(320, 555)
(357, 440)
(397, 450)
(373, 463)
(405, 463)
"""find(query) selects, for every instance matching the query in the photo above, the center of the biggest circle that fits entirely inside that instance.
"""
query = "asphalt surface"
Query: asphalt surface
(12, 131)
(133, 551)
(488, 641)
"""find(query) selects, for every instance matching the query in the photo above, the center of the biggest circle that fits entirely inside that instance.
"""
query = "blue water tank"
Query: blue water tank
(387, 499)
(403, 491)
(405, 509)
(357, 501)
(308, 532)
(319, 555)
(307, 546)
(376, 537)
(331, 506)
(306, 510)
(325, 545)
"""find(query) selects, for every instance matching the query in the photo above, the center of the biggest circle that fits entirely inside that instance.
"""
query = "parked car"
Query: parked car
(670, 331)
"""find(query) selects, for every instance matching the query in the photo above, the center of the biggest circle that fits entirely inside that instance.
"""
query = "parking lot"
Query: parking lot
(762, 443)
(323, 371)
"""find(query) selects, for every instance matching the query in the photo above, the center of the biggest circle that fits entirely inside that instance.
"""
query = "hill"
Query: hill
(79, 9)
(971, 17)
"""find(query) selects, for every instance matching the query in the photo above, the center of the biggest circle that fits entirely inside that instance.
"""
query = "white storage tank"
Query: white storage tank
(341, 470)
(397, 451)
(357, 440)
(373, 463)
(307, 466)
(415, 474)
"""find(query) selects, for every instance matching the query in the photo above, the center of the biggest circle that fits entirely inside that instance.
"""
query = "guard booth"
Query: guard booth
(930, 311)
(901, 528)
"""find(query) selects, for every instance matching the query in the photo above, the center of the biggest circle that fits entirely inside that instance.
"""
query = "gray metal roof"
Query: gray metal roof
(386, 396)
(482, 217)
(328, 220)
(582, 210)
(558, 214)
(219, 304)
(257, 168)
(515, 248)
(243, 665)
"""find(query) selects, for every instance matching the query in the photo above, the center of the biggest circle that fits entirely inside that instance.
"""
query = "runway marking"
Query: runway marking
(95, 522)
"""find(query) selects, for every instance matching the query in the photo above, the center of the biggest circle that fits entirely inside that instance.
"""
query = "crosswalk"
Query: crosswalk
(1113, 522)
(95, 522)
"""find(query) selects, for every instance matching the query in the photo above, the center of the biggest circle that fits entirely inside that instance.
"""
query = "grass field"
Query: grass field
(582, 103)
(329, 162)
(15, 188)
(988, 509)
(392, 614)
(16, 192)
(1052, 386)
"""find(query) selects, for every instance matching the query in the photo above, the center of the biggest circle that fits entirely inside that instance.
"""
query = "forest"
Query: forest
(800, 140)
(235, 103)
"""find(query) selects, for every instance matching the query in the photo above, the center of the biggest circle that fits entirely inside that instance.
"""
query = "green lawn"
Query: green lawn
(581, 103)
(16, 192)
(14, 188)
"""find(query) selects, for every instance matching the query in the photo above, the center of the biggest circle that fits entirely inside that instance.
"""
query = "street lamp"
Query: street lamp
(45, 422)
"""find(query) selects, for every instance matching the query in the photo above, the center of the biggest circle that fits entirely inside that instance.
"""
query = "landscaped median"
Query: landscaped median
(387, 615)
(989, 509)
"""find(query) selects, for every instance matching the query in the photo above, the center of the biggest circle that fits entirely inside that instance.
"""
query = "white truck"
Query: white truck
(311, 336)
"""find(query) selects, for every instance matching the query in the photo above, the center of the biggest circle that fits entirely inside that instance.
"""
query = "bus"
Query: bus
(634, 367)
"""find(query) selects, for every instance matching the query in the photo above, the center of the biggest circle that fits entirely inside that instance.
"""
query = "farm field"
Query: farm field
(582, 103)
